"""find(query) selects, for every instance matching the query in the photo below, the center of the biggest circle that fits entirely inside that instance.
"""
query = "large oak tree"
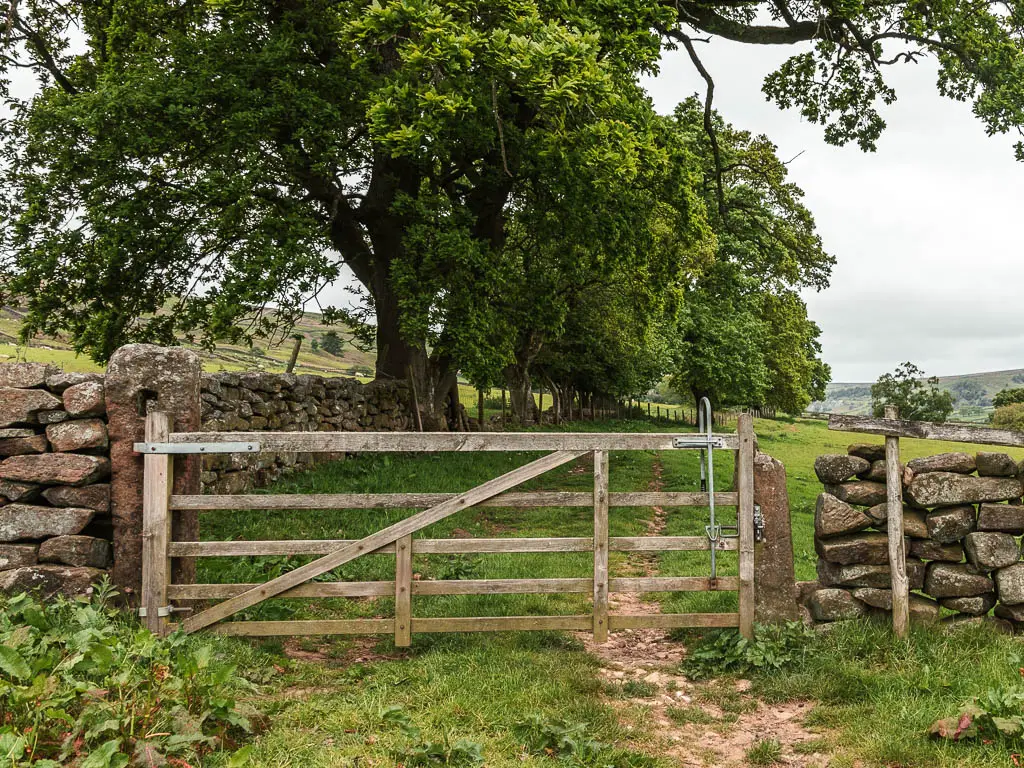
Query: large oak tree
(188, 163)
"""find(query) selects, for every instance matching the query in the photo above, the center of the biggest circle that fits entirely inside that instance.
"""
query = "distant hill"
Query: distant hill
(972, 392)
(225, 357)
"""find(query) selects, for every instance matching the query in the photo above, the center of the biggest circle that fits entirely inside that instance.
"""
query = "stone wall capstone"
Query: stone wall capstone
(962, 519)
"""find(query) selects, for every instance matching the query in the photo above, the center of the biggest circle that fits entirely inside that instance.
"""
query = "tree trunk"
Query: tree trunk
(520, 389)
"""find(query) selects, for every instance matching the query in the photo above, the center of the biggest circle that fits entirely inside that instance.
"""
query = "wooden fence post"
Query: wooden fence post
(745, 520)
(897, 545)
(480, 408)
(600, 546)
(403, 591)
(156, 524)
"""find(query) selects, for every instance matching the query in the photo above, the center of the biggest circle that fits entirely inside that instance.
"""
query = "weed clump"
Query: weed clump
(82, 683)
(729, 653)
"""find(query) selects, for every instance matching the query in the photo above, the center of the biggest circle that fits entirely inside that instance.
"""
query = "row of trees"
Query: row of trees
(508, 201)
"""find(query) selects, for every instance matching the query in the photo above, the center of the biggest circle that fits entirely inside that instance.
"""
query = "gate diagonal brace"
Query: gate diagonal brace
(378, 539)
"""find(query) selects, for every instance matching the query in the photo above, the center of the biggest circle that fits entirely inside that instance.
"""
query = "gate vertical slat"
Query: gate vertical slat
(403, 592)
(600, 546)
(745, 520)
(156, 524)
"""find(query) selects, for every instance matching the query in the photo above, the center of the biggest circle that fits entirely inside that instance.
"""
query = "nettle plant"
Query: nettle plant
(82, 684)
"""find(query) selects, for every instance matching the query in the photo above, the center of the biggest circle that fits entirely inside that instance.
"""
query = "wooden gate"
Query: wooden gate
(158, 548)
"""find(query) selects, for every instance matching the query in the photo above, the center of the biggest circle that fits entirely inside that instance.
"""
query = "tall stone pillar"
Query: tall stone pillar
(143, 378)
(774, 577)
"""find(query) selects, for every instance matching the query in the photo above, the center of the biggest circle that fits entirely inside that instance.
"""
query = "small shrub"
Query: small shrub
(445, 752)
(773, 648)
(81, 683)
(1009, 417)
(572, 746)
(765, 752)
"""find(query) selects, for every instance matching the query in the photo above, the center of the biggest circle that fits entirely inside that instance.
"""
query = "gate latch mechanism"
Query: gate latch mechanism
(759, 524)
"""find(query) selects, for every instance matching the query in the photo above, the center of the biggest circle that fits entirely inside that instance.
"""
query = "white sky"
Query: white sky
(926, 230)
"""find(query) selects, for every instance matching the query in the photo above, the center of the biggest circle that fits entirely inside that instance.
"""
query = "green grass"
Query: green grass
(765, 752)
(876, 695)
(450, 687)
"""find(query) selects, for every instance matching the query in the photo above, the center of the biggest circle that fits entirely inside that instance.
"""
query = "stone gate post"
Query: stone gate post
(140, 378)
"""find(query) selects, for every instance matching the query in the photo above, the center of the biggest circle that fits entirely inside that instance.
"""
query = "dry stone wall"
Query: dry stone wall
(962, 519)
(71, 481)
(255, 402)
(55, 524)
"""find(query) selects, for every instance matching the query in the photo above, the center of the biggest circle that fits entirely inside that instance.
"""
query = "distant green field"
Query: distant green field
(264, 356)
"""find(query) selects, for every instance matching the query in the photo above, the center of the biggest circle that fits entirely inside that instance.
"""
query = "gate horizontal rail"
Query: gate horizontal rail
(437, 442)
(398, 539)
(448, 546)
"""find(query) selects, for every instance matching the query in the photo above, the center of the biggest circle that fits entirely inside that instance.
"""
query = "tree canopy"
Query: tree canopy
(744, 336)
(1006, 397)
(190, 165)
(838, 76)
(917, 398)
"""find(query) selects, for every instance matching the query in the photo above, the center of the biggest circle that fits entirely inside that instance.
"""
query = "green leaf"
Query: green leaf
(106, 756)
(954, 728)
(12, 663)
(1010, 727)
(240, 757)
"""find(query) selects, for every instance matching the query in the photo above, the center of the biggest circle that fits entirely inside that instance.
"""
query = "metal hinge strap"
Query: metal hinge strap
(698, 441)
(166, 448)
(164, 610)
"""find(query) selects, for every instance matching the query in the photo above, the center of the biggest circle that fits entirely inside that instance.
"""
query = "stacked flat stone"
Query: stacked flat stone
(55, 527)
(962, 521)
(255, 402)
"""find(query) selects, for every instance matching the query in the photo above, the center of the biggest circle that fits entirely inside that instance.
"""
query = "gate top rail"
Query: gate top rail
(925, 430)
(330, 442)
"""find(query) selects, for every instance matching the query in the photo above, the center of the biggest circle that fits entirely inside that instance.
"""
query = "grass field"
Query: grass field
(362, 702)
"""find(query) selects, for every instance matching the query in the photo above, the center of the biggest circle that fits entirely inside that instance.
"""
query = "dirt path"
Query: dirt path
(698, 724)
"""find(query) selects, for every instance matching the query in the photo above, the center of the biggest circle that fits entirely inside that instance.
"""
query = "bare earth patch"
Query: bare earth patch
(706, 724)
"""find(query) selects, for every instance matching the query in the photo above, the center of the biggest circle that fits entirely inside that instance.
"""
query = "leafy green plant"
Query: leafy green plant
(728, 652)
(458, 567)
(571, 744)
(998, 714)
(420, 752)
(461, 752)
(81, 683)
(556, 737)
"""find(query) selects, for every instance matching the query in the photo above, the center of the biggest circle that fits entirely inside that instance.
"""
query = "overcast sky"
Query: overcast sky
(926, 231)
